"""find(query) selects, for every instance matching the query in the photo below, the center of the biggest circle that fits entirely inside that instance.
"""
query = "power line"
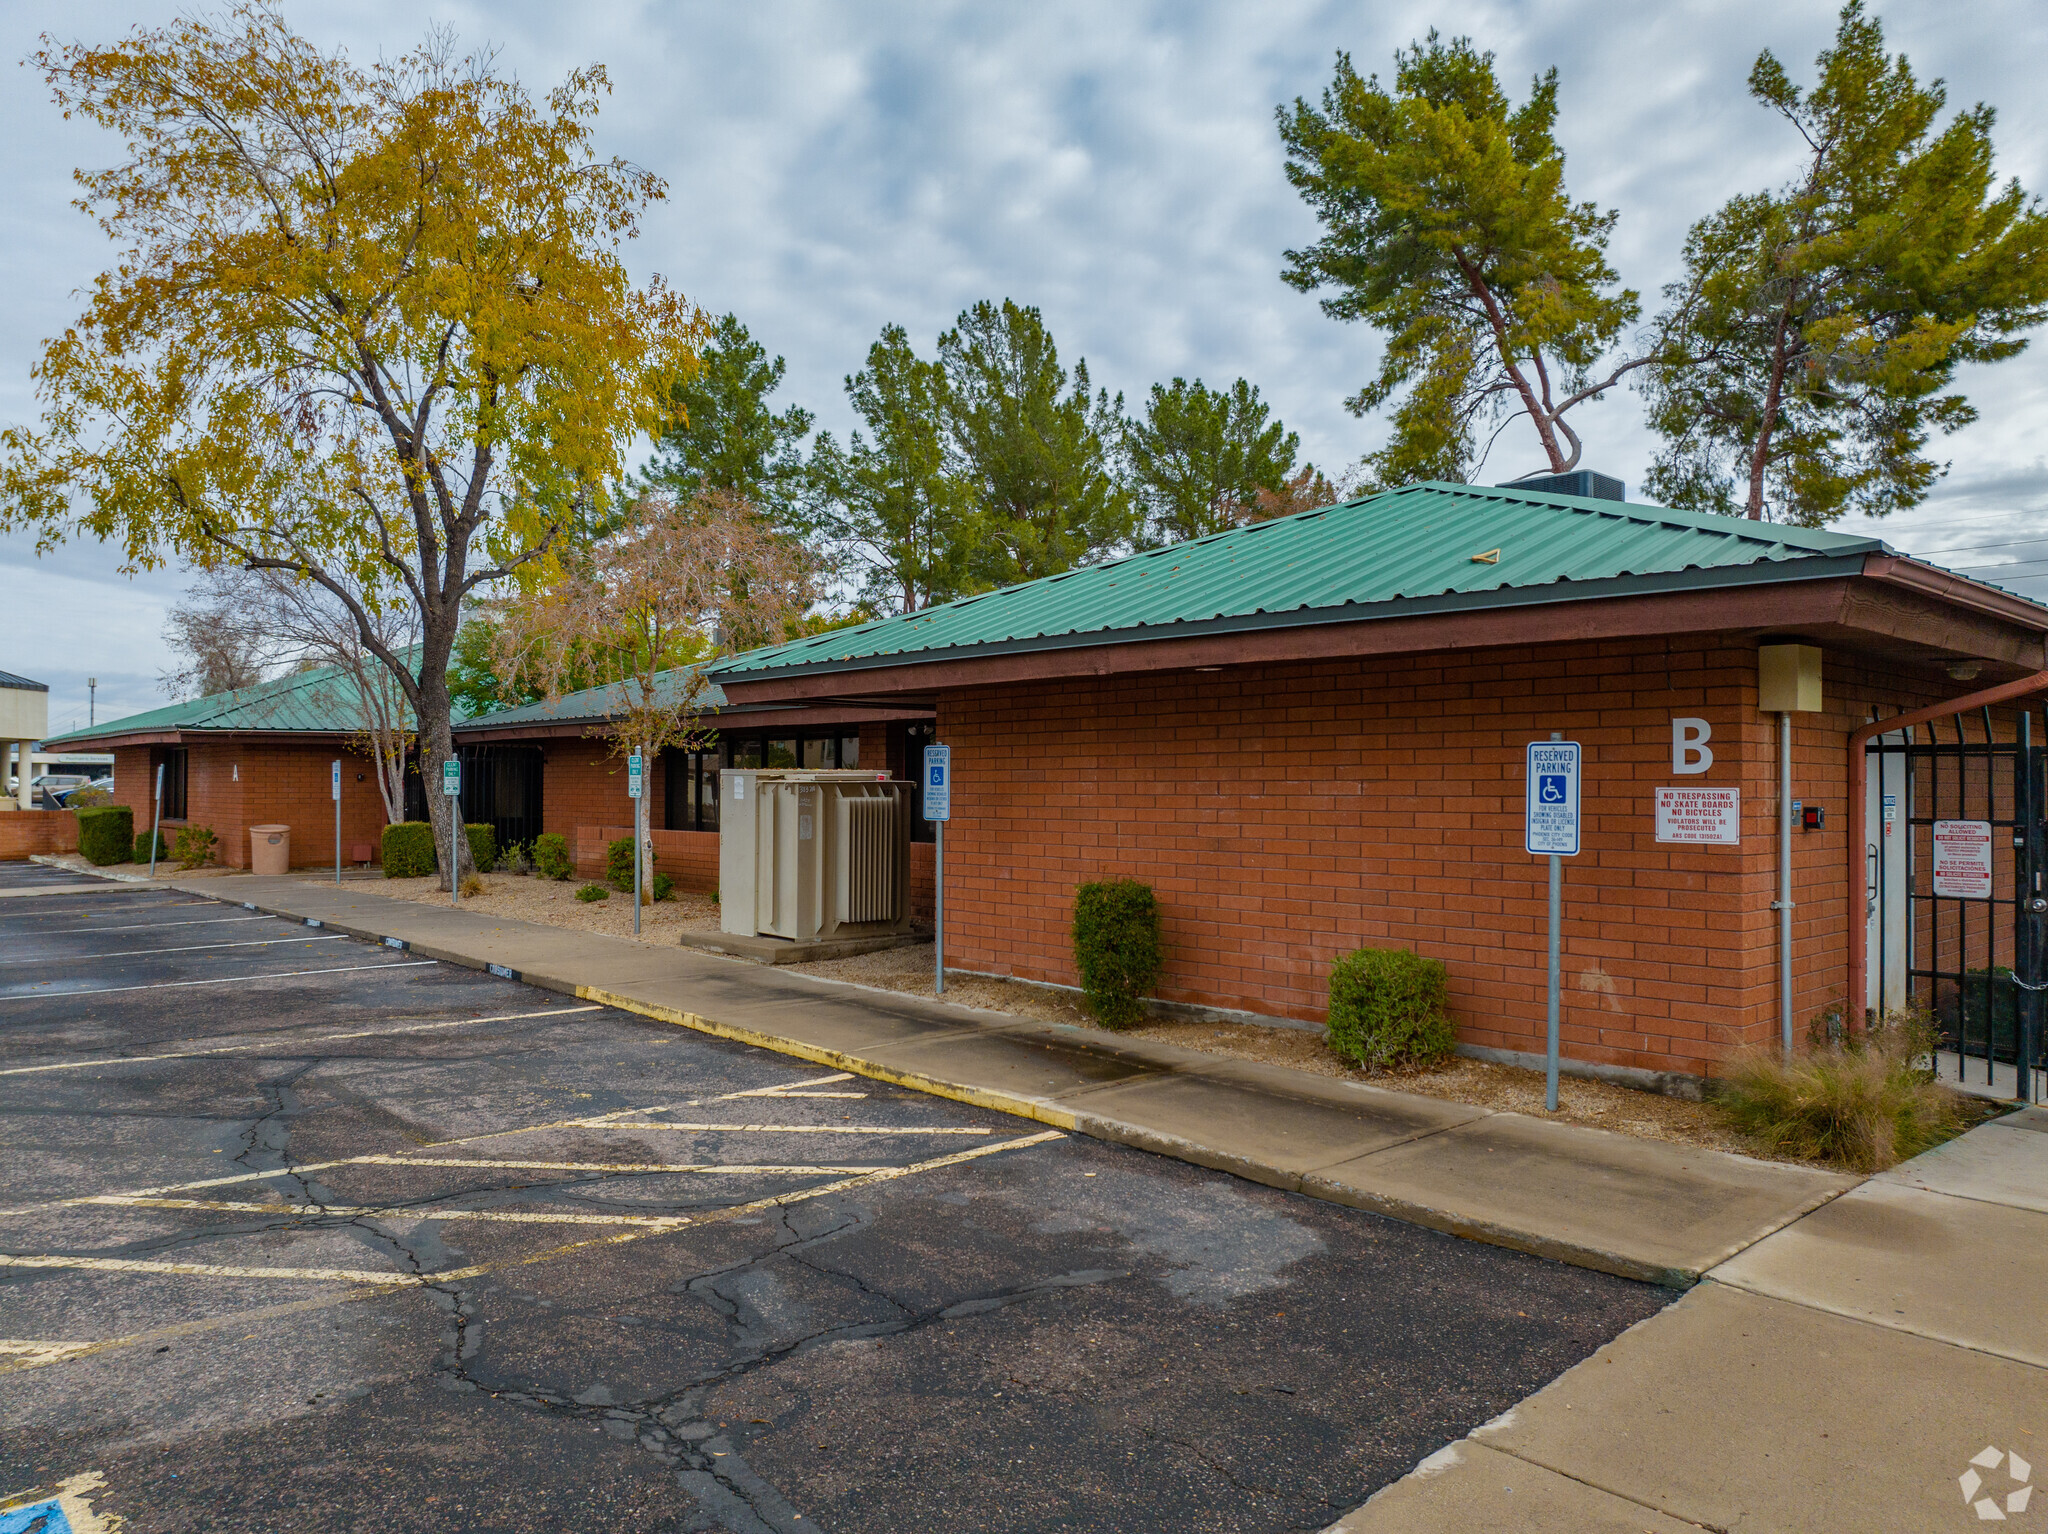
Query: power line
(1978, 548)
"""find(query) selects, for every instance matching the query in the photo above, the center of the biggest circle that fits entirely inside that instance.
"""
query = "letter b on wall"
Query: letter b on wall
(1689, 751)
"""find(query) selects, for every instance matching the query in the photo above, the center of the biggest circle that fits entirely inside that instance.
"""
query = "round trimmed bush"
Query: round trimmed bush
(1387, 1009)
(1116, 947)
(142, 848)
(593, 892)
(409, 850)
(618, 864)
(551, 855)
(664, 886)
(106, 833)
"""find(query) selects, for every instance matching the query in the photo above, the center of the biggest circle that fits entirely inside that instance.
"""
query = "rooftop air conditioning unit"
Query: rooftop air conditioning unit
(813, 856)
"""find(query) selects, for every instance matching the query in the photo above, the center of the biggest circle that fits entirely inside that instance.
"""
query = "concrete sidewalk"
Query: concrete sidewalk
(1640, 1208)
(1880, 1364)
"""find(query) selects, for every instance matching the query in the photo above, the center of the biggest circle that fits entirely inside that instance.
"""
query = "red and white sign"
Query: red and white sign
(1700, 815)
(1962, 859)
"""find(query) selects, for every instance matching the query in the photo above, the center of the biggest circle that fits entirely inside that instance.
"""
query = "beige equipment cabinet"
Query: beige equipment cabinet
(813, 856)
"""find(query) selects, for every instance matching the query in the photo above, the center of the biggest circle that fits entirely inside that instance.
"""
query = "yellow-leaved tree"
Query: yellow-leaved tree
(366, 325)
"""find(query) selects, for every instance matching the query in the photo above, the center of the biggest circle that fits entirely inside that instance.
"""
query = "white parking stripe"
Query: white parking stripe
(385, 1283)
(787, 1089)
(151, 926)
(778, 1129)
(279, 1039)
(393, 1212)
(130, 953)
(169, 985)
(732, 1168)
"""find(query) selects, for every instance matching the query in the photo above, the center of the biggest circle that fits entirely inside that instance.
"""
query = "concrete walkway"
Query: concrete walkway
(1640, 1208)
(1880, 1364)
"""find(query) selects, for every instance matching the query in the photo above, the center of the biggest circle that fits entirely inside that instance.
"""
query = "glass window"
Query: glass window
(746, 753)
(708, 764)
(817, 752)
(779, 753)
(849, 750)
(173, 762)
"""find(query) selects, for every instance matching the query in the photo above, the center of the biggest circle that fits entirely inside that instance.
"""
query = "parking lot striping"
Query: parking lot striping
(787, 1089)
(39, 1352)
(170, 985)
(704, 1168)
(130, 953)
(271, 1039)
(180, 1329)
(389, 1212)
(776, 1129)
(151, 926)
(216, 1270)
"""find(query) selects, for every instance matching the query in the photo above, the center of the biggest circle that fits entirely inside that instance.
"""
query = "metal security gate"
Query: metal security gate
(501, 788)
(1956, 858)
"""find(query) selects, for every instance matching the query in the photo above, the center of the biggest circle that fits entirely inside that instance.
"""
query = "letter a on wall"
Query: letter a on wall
(1689, 751)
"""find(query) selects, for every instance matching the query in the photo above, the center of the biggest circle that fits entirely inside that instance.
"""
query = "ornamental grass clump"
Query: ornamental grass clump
(1116, 948)
(1864, 1103)
(1387, 1009)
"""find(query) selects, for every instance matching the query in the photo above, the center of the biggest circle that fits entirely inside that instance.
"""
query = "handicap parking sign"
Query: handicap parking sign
(1551, 818)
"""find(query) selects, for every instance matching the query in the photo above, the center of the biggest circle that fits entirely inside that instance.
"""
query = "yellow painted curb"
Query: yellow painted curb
(1035, 1108)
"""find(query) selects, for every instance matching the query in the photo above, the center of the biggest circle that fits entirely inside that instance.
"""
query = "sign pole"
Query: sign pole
(1551, 829)
(633, 785)
(156, 820)
(938, 809)
(451, 791)
(337, 820)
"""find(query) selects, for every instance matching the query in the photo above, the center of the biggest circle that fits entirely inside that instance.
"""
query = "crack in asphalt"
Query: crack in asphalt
(729, 1492)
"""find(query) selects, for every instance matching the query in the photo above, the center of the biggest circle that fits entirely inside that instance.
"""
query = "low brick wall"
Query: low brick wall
(691, 859)
(26, 833)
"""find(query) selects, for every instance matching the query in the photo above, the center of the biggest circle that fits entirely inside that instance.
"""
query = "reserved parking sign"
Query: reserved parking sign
(1551, 816)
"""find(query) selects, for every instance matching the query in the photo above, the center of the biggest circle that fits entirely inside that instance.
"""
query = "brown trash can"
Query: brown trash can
(270, 849)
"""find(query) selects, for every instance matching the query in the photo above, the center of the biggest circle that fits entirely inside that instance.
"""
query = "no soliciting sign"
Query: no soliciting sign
(1700, 815)
(1962, 859)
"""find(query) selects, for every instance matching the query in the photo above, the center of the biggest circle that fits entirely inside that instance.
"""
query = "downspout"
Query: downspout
(1785, 882)
(1853, 1004)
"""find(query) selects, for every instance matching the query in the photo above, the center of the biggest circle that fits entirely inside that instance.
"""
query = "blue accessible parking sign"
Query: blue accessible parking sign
(1551, 822)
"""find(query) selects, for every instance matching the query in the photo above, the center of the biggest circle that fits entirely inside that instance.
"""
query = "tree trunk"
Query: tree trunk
(1767, 423)
(437, 743)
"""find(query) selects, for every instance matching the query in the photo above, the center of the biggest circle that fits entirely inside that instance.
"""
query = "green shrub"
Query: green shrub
(1387, 1009)
(1116, 947)
(483, 847)
(194, 847)
(551, 855)
(106, 833)
(1865, 1103)
(618, 865)
(664, 886)
(593, 892)
(142, 847)
(409, 850)
(516, 859)
(90, 797)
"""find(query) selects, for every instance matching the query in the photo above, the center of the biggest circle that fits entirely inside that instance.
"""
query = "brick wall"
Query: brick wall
(1287, 813)
(231, 785)
(31, 833)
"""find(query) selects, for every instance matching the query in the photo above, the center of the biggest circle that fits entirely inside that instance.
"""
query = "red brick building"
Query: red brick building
(1308, 736)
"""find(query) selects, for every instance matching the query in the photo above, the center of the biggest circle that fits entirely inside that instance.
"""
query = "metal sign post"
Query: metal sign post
(938, 809)
(1551, 829)
(633, 784)
(451, 790)
(156, 820)
(337, 819)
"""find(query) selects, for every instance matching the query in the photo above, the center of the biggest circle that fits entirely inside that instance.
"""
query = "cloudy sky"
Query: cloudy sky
(837, 166)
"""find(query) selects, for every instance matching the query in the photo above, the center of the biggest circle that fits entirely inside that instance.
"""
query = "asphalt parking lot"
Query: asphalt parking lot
(304, 1233)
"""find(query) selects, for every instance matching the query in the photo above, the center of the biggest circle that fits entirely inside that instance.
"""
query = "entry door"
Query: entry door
(1887, 874)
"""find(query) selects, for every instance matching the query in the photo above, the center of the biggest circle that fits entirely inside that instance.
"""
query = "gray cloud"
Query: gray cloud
(834, 168)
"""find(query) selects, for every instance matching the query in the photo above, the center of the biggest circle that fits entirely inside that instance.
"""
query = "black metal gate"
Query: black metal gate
(501, 788)
(1956, 859)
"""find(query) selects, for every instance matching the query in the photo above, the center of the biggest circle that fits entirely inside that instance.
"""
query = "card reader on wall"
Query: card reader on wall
(1813, 817)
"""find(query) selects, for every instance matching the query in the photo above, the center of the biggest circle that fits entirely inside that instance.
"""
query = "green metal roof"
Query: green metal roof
(591, 705)
(318, 702)
(1406, 551)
